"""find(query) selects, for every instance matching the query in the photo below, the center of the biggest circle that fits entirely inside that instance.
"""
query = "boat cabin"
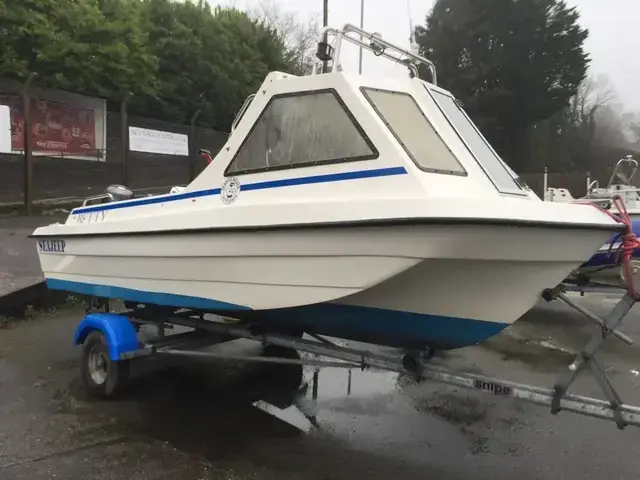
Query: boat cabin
(329, 129)
(337, 122)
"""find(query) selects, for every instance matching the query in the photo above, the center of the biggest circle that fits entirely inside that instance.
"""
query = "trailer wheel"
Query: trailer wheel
(102, 377)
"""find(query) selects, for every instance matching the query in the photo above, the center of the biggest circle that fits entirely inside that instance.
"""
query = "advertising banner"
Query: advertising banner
(55, 127)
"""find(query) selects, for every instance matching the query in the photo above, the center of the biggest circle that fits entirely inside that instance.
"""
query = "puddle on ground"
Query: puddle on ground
(305, 421)
(179, 391)
(538, 353)
(224, 410)
(170, 393)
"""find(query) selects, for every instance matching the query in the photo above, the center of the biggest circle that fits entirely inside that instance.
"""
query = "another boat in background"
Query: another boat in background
(620, 184)
(605, 269)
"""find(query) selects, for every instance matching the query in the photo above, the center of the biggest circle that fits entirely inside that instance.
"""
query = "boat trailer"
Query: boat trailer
(111, 342)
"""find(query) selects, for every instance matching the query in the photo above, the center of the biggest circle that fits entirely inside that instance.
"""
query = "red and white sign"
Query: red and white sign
(55, 127)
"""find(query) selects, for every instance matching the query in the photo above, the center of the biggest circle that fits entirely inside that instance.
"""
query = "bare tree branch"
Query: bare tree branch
(299, 37)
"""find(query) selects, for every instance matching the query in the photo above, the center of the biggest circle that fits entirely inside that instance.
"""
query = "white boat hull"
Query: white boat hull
(402, 227)
(433, 273)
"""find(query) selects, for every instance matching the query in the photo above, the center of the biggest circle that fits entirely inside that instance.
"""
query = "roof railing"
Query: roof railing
(372, 42)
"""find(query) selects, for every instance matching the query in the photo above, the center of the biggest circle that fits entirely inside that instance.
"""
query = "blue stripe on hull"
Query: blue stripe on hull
(388, 327)
(366, 324)
(141, 296)
(286, 182)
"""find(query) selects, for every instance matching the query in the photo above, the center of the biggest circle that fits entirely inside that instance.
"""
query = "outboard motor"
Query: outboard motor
(119, 192)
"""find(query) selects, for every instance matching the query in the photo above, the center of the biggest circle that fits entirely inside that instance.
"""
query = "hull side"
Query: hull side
(394, 328)
(440, 304)
(148, 297)
(268, 270)
(381, 326)
(425, 285)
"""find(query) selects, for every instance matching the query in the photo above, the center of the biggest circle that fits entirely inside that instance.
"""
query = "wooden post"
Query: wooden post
(28, 157)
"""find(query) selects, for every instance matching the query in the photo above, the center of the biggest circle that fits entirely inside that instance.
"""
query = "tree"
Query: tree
(590, 134)
(87, 46)
(634, 129)
(176, 58)
(209, 60)
(577, 126)
(511, 62)
(299, 38)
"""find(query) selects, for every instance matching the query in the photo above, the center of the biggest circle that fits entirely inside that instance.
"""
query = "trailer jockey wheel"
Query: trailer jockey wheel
(413, 361)
(102, 377)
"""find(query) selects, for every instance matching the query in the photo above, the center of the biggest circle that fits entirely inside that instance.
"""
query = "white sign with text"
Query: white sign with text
(5, 129)
(157, 141)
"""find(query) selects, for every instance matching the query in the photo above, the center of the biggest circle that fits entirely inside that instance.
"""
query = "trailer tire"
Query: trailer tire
(103, 378)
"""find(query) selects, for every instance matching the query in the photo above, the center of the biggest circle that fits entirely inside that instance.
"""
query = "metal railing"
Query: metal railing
(374, 43)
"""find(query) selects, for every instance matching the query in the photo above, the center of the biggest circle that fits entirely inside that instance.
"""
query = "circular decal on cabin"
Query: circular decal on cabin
(230, 190)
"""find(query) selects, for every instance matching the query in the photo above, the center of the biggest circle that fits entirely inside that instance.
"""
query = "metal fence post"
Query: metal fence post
(325, 23)
(124, 140)
(28, 167)
(193, 145)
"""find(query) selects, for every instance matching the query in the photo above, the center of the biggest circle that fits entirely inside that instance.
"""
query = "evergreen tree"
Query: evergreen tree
(511, 62)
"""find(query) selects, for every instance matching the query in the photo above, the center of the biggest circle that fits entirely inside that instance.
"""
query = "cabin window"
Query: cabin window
(408, 124)
(499, 173)
(302, 129)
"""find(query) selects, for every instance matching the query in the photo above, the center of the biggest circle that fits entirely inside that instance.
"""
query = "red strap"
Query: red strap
(629, 241)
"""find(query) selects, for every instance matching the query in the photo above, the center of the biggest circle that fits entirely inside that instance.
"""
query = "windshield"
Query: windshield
(408, 124)
(501, 175)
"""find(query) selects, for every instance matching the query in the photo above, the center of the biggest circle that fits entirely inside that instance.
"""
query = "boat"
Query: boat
(605, 270)
(620, 184)
(353, 206)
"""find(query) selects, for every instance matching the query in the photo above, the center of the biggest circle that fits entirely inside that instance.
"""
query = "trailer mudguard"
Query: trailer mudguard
(119, 333)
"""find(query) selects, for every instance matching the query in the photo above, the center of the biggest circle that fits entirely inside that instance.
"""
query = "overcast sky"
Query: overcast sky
(614, 39)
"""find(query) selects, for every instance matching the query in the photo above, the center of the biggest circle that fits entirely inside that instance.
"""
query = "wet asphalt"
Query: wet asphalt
(20, 264)
(201, 420)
